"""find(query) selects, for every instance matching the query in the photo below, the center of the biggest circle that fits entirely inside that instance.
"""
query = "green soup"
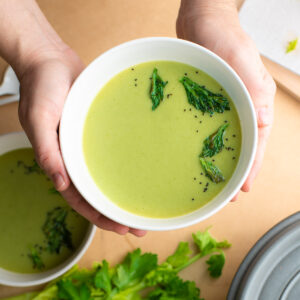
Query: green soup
(146, 161)
(27, 196)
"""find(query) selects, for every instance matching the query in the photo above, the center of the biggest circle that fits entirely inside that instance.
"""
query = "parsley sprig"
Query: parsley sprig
(55, 230)
(214, 143)
(211, 171)
(203, 99)
(157, 89)
(36, 259)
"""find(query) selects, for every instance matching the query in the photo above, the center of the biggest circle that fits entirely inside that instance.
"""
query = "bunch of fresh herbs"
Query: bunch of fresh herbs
(138, 277)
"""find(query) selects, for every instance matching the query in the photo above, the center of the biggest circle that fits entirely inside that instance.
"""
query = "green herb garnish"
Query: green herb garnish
(34, 168)
(175, 289)
(157, 89)
(211, 171)
(34, 255)
(56, 231)
(53, 190)
(216, 263)
(139, 276)
(203, 99)
(214, 143)
(291, 46)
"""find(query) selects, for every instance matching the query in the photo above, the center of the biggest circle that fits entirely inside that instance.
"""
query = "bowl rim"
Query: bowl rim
(22, 141)
(195, 220)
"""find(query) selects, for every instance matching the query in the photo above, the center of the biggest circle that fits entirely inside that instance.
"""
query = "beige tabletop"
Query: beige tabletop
(93, 26)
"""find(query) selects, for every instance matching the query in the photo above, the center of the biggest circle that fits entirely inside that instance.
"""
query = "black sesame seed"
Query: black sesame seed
(210, 116)
(200, 122)
(190, 109)
(135, 79)
(132, 69)
(135, 84)
(201, 173)
(233, 157)
(213, 160)
(193, 199)
(196, 116)
(226, 139)
(204, 190)
(221, 89)
(197, 130)
(225, 121)
(234, 135)
(197, 72)
(200, 182)
(185, 74)
(184, 110)
(194, 178)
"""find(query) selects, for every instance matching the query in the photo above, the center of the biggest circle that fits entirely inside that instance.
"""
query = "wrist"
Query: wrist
(208, 12)
(204, 8)
(27, 35)
(26, 58)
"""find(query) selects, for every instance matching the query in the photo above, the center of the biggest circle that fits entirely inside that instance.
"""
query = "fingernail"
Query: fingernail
(58, 181)
(264, 117)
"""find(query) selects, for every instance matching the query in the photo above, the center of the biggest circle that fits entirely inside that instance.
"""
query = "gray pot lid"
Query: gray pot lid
(271, 270)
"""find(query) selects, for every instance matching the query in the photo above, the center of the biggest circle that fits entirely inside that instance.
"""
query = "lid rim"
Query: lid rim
(239, 279)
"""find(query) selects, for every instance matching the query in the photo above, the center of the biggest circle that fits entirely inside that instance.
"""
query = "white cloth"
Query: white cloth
(272, 24)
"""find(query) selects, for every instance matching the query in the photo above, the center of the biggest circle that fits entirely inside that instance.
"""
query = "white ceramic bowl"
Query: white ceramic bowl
(106, 66)
(17, 140)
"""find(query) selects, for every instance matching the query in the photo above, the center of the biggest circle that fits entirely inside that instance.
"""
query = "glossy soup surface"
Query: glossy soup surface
(147, 162)
(27, 196)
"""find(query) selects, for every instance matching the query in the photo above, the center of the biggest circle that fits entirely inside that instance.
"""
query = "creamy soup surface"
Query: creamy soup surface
(146, 161)
(27, 196)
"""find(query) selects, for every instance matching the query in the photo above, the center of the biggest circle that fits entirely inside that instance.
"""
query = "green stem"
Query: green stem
(196, 257)
(138, 287)
(191, 261)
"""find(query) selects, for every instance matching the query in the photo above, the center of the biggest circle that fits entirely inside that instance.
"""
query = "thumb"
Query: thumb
(42, 133)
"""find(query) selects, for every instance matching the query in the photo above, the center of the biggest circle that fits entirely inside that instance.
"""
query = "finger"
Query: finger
(235, 197)
(263, 100)
(138, 232)
(76, 201)
(263, 134)
(263, 103)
